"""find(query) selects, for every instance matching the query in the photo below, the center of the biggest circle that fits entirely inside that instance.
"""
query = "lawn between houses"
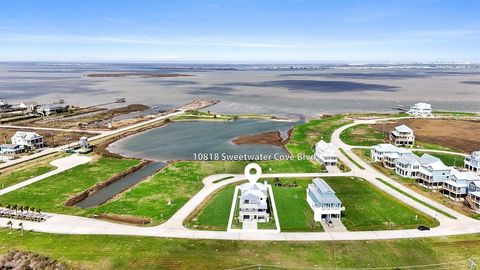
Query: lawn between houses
(131, 252)
(367, 208)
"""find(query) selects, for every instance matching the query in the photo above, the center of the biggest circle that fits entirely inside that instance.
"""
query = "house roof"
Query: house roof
(475, 156)
(386, 147)
(422, 105)
(322, 186)
(9, 145)
(325, 147)
(465, 176)
(27, 135)
(428, 159)
(253, 194)
(322, 192)
(255, 188)
(410, 159)
(403, 129)
(437, 166)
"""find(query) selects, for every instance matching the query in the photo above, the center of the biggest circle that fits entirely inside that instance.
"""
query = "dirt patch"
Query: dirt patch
(463, 135)
(16, 259)
(124, 219)
(271, 138)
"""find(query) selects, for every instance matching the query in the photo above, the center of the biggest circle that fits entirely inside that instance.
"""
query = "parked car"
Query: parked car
(423, 228)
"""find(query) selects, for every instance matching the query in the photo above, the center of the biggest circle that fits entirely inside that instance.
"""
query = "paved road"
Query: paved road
(62, 164)
(173, 227)
(102, 135)
(54, 129)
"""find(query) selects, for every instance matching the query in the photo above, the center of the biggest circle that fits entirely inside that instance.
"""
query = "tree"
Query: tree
(10, 224)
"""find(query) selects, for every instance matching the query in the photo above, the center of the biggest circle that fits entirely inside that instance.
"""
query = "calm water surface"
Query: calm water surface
(182, 140)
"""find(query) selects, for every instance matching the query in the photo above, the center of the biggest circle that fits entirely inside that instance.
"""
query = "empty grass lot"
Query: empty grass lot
(305, 136)
(215, 213)
(368, 208)
(130, 252)
(362, 135)
(51, 193)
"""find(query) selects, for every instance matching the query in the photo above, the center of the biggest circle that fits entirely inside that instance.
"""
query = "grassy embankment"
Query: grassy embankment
(208, 116)
(129, 252)
(412, 184)
(367, 208)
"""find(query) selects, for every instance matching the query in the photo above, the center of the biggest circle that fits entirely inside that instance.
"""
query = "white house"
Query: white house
(323, 201)
(27, 139)
(432, 173)
(408, 166)
(421, 109)
(11, 149)
(29, 106)
(458, 186)
(402, 136)
(47, 109)
(472, 162)
(387, 154)
(254, 202)
(325, 153)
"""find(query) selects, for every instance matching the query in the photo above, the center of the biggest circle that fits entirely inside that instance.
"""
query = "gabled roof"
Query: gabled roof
(27, 135)
(428, 159)
(322, 186)
(475, 156)
(422, 105)
(465, 176)
(253, 194)
(403, 129)
(324, 147)
(410, 159)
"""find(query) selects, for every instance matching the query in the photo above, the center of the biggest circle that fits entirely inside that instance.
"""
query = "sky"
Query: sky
(360, 31)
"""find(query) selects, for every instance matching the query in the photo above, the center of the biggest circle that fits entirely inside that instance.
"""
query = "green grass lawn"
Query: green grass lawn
(22, 174)
(51, 193)
(293, 211)
(351, 159)
(159, 197)
(129, 252)
(362, 135)
(305, 136)
(368, 208)
(215, 213)
(447, 159)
